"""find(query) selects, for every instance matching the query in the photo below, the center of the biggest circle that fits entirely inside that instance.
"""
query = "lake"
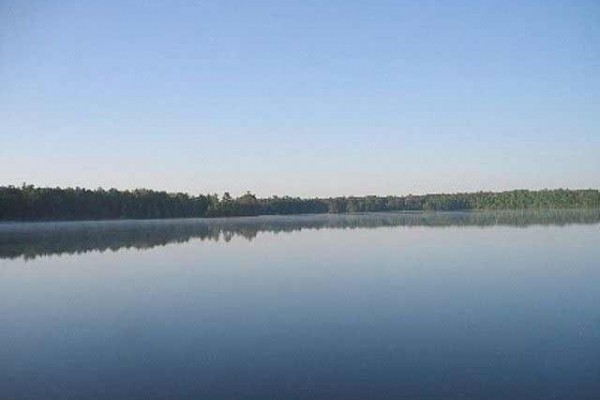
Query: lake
(457, 305)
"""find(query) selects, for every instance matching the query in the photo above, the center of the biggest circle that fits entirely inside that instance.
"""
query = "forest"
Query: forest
(30, 203)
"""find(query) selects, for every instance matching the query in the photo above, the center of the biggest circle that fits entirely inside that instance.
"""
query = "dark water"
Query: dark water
(382, 306)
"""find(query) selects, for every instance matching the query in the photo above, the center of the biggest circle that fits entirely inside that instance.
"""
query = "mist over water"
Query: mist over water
(466, 305)
(34, 239)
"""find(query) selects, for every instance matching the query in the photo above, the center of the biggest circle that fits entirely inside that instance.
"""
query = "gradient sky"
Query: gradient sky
(301, 97)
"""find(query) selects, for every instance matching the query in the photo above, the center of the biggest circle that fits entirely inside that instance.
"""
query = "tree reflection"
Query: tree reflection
(31, 240)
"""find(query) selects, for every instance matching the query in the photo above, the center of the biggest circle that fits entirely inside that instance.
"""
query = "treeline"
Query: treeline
(34, 203)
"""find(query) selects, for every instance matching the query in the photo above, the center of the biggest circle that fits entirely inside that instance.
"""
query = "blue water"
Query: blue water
(383, 306)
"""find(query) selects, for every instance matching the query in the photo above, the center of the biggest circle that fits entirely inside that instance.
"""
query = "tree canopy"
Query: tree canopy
(36, 203)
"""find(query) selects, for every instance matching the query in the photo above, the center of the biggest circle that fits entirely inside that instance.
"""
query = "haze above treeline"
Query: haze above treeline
(28, 203)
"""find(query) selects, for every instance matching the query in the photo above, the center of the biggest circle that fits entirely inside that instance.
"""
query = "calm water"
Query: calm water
(381, 306)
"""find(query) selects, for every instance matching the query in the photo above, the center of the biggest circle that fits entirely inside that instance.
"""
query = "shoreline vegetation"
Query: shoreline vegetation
(30, 203)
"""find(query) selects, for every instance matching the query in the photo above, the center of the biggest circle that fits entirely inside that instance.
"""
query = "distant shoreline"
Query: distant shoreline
(30, 203)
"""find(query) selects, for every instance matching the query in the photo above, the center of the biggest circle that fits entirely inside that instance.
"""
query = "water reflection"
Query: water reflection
(31, 240)
(454, 308)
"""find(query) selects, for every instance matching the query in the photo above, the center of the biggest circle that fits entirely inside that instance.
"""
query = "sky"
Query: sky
(305, 98)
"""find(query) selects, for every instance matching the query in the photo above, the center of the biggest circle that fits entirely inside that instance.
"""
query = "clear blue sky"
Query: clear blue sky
(301, 97)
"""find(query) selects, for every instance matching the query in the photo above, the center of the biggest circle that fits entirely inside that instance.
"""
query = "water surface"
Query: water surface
(378, 306)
